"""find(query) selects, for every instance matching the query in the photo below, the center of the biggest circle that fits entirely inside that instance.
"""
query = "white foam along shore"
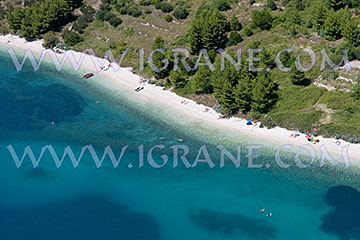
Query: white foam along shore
(126, 80)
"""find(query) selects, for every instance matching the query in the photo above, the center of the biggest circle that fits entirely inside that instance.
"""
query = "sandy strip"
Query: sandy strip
(125, 80)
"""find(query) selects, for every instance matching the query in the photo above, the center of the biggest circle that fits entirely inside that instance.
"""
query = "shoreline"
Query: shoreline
(127, 81)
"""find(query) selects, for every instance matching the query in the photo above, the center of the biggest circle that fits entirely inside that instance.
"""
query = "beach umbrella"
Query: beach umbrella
(307, 136)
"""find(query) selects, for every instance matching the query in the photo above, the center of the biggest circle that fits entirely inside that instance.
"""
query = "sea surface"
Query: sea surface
(129, 202)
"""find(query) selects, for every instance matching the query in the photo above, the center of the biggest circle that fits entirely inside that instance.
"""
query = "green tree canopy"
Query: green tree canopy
(201, 82)
(332, 30)
(180, 13)
(72, 38)
(50, 40)
(208, 30)
(264, 94)
(297, 77)
(235, 25)
(318, 15)
(270, 4)
(261, 19)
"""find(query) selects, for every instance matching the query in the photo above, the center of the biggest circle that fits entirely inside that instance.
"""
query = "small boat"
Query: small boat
(89, 75)
(139, 89)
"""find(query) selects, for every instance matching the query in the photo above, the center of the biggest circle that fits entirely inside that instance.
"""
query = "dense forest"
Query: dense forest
(296, 99)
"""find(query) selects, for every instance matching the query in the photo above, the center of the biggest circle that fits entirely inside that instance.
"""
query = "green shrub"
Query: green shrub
(72, 38)
(181, 13)
(87, 10)
(235, 25)
(222, 5)
(271, 5)
(158, 5)
(261, 19)
(123, 11)
(248, 32)
(148, 11)
(50, 40)
(234, 39)
(145, 3)
(100, 15)
(166, 7)
(136, 13)
(115, 21)
(168, 18)
(108, 15)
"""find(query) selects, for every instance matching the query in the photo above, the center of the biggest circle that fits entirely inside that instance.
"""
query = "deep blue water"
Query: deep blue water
(134, 204)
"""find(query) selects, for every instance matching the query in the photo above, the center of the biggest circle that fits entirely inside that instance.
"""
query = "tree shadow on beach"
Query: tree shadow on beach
(343, 220)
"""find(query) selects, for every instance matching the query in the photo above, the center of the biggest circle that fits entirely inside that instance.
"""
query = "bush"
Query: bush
(101, 15)
(145, 3)
(234, 39)
(83, 21)
(248, 32)
(148, 11)
(181, 13)
(123, 11)
(136, 13)
(108, 16)
(168, 18)
(235, 25)
(115, 21)
(222, 5)
(271, 5)
(297, 77)
(262, 20)
(166, 7)
(72, 38)
(50, 40)
(158, 5)
(87, 10)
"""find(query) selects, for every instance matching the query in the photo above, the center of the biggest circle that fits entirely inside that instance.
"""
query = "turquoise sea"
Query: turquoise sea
(146, 203)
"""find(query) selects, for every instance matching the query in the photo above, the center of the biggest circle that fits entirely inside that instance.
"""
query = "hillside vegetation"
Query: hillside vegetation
(325, 101)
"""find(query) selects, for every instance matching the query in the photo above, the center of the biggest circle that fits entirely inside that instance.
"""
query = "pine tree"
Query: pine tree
(264, 94)
(27, 30)
(351, 32)
(319, 13)
(343, 17)
(235, 25)
(196, 32)
(297, 77)
(200, 83)
(209, 31)
(50, 40)
(271, 5)
(215, 31)
(224, 83)
(261, 19)
(179, 78)
(158, 43)
(15, 18)
(243, 89)
(335, 4)
(332, 30)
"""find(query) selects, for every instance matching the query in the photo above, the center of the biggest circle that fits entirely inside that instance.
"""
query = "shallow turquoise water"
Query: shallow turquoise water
(145, 203)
